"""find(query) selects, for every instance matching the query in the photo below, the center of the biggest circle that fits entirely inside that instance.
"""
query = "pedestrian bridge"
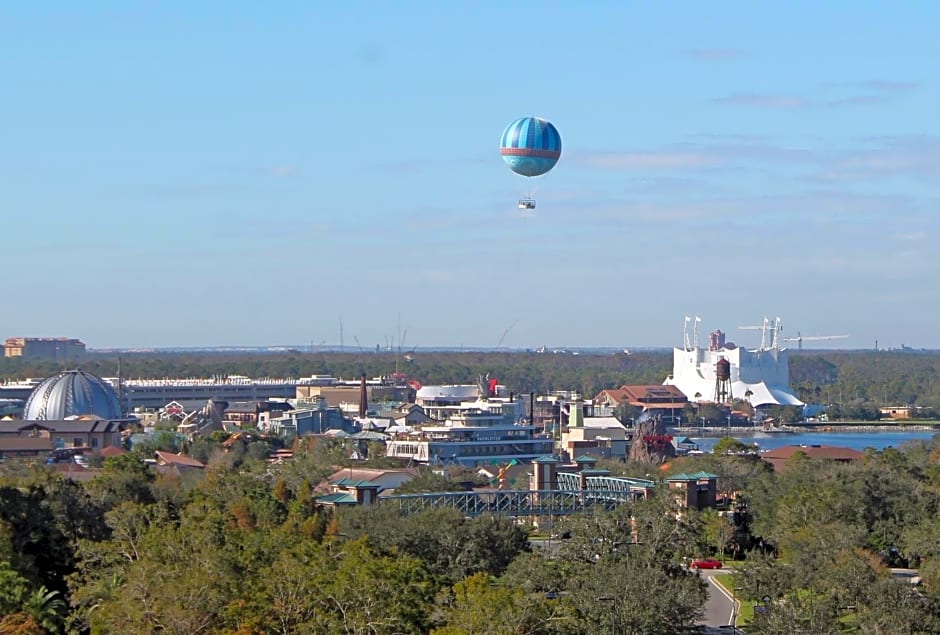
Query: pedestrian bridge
(602, 492)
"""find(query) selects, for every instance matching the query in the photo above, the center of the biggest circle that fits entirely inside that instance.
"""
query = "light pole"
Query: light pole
(607, 598)
(734, 609)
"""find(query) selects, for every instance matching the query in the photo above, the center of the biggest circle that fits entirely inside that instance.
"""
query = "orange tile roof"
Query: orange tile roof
(168, 458)
(779, 457)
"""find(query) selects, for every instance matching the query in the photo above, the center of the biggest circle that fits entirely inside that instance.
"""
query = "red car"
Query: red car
(706, 563)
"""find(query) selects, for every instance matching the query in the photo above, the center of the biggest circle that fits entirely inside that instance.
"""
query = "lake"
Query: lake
(850, 439)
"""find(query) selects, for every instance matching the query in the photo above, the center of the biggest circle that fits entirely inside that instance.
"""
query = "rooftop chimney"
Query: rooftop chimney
(363, 396)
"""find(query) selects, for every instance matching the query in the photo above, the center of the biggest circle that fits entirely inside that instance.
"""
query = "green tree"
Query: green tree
(730, 445)
(124, 477)
(14, 589)
(477, 606)
(718, 531)
(344, 587)
(452, 546)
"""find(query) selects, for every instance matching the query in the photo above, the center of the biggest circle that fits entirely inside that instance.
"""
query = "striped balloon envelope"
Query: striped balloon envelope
(530, 146)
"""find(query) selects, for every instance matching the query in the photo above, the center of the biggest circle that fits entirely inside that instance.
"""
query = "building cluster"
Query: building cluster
(58, 349)
(483, 426)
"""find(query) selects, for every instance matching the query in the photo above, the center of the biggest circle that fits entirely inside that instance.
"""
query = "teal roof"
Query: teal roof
(585, 458)
(545, 459)
(696, 476)
(351, 482)
(339, 498)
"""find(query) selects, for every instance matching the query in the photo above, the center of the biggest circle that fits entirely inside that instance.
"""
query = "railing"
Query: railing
(514, 502)
(572, 481)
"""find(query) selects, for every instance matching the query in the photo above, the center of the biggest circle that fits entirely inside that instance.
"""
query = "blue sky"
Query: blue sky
(233, 173)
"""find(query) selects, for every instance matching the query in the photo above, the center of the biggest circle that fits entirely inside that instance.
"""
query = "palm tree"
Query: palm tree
(46, 607)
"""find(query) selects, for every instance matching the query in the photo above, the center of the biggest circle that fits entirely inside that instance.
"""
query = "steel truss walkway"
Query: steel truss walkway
(637, 486)
(516, 502)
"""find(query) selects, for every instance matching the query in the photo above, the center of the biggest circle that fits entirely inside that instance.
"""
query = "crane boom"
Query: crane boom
(800, 338)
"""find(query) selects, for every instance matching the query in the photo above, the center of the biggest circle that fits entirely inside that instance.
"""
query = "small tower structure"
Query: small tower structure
(723, 381)
(363, 396)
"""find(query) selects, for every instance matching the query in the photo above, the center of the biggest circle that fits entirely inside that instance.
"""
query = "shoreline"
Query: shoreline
(804, 428)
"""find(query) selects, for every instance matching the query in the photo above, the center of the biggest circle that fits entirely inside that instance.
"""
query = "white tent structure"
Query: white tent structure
(760, 376)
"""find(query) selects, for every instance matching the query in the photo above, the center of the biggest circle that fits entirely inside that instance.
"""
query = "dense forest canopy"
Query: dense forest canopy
(243, 547)
(851, 379)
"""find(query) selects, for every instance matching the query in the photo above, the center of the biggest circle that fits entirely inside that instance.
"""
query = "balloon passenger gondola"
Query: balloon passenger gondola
(530, 147)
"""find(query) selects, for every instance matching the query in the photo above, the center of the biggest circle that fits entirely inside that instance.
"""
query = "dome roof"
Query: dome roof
(72, 393)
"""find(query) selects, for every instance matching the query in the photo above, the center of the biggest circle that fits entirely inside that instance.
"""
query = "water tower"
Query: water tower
(723, 381)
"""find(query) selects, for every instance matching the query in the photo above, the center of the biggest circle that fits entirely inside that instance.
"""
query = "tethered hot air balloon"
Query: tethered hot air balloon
(531, 147)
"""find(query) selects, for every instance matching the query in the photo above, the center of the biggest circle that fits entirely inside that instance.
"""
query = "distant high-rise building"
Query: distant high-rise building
(57, 348)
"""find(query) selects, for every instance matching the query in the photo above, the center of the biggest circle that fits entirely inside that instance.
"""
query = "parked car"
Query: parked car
(706, 563)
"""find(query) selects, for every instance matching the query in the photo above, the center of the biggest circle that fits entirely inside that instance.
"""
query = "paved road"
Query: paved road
(719, 607)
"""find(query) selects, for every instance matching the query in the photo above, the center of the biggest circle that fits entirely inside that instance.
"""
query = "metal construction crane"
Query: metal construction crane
(799, 339)
(769, 332)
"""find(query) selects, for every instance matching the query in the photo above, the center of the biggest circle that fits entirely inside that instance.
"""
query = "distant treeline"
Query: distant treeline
(849, 379)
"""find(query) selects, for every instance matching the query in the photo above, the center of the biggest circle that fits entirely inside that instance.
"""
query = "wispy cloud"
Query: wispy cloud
(856, 100)
(874, 92)
(916, 157)
(696, 156)
(762, 100)
(912, 236)
(877, 85)
(650, 160)
(714, 54)
(804, 210)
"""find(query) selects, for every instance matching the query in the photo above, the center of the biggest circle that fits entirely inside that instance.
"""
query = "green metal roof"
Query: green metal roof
(545, 459)
(696, 476)
(339, 498)
(585, 458)
(351, 482)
